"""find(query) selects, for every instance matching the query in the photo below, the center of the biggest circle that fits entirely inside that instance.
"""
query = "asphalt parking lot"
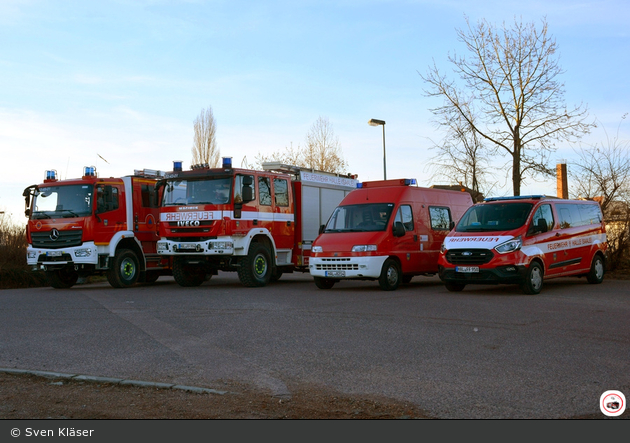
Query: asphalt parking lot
(487, 352)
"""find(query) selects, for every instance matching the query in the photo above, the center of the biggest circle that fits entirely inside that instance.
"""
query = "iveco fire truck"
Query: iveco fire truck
(260, 224)
(91, 225)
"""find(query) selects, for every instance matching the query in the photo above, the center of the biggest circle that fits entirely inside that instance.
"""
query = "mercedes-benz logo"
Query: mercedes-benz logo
(54, 234)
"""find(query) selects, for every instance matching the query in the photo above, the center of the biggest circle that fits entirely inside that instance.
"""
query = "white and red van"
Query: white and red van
(388, 230)
(524, 240)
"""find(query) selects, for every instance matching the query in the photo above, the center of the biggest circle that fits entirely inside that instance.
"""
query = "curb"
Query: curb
(115, 381)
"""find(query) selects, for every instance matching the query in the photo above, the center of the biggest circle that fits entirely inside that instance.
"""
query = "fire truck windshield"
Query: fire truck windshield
(208, 191)
(360, 218)
(63, 201)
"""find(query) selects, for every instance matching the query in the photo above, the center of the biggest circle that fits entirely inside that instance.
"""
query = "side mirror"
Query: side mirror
(541, 225)
(322, 228)
(398, 229)
(451, 225)
(247, 193)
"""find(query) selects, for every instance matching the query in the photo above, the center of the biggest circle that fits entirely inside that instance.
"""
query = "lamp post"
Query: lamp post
(375, 122)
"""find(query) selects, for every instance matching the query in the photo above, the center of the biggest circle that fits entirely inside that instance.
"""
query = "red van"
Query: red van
(525, 240)
(388, 230)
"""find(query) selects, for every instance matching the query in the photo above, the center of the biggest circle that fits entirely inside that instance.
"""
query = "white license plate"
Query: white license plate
(467, 269)
(187, 246)
(335, 273)
(53, 254)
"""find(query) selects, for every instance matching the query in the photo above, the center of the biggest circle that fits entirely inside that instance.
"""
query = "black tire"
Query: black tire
(324, 283)
(187, 275)
(391, 276)
(407, 279)
(533, 282)
(454, 287)
(62, 278)
(275, 274)
(598, 269)
(149, 277)
(124, 270)
(255, 269)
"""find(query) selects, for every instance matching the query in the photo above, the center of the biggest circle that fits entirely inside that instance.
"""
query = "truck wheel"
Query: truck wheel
(324, 283)
(187, 275)
(255, 268)
(124, 270)
(62, 278)
(390, 275)
(275, 274)
(454, 287)
(533, 282)
(596, 274)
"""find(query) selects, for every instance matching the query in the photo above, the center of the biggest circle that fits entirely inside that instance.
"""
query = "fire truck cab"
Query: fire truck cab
(258, 223)
(90, 225)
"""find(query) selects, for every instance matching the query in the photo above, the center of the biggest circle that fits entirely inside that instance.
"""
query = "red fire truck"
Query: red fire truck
(91, 225)
(260, 224)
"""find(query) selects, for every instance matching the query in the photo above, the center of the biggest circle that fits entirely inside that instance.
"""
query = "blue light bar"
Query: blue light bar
(359, 185)
(51, 174)
(89, 171)
(227, 162)
(177, 166)
(410, 181)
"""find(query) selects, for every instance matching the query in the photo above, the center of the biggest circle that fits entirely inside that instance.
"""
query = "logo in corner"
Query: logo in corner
(612, 403)
(54, 234)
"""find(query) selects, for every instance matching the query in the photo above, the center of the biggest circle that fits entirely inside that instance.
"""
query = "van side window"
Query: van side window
(440, 218)
(575, 214)
(281, 191)
(264, 190)
(405, 216)
(544, 212)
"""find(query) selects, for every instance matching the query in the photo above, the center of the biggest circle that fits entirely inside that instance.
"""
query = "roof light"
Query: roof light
(410, 181)
(227, 162)
(51, 174)
(177, 166)
(89, 171)
(359, 185)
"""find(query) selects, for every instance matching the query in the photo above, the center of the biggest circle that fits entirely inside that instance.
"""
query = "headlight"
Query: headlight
(442, 249)
(317, 249)
(363, 248)
(82, 252)
(32, 254)
(162, 246)
(221, 245)
(509, 246)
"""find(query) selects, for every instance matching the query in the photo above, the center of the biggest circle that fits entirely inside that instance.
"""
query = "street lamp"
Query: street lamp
(375, 122)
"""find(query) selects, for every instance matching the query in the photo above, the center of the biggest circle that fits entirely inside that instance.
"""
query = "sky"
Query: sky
(118, 84)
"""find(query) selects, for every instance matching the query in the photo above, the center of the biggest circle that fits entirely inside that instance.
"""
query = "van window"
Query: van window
(281, 191)
(405, 216)
(238, 187)
(494, 217)
(576, 214)
(264, 190)
(544, 212)
(440, 218)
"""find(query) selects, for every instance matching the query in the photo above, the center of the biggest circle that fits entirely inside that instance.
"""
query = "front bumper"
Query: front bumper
(508, 274)
(85, 254)
(346, 267)
(219, 246)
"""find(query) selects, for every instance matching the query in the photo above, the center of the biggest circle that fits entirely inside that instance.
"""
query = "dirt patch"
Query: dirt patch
(33, 397)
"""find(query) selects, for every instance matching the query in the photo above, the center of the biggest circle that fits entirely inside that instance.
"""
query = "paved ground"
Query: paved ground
(290, 350)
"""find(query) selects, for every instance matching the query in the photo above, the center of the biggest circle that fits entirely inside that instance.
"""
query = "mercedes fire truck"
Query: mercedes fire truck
(90, 225)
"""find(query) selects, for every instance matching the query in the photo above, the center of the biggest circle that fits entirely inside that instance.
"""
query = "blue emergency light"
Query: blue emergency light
(89, 171)
(51, 174)
(227, 162)
(177, 166)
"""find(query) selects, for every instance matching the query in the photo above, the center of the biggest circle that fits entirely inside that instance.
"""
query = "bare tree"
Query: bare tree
(205, 149)
(510, 95)
(463, 158)
(322, 152)
(602, 172)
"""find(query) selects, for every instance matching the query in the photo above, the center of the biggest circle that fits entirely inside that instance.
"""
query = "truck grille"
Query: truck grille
(336, 264)
(469, 256)
(203, 227)
(65, 239)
